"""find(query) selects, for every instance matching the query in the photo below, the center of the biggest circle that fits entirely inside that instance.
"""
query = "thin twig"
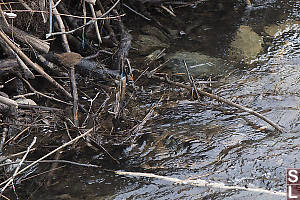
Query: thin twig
(17, 154)
(192, 82)
(139, 126)
(25, 5)
(75, 96)
(96, 23)
(3, 138)
(61, 26)
(134, 11)
(50, 18)
(54, 161)
(18, 135)
(42, 5)
(90, 22)
(57, 3)
(90, 108)
(80, 27)
(168, 10)
(72, 68)
(27, 73)
(41, 94)
(84, 22)
(22, 65)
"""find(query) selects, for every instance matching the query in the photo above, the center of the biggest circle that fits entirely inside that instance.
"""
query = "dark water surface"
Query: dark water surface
(212, 141)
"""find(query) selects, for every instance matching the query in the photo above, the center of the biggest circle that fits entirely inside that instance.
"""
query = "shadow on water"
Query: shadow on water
(211, 141)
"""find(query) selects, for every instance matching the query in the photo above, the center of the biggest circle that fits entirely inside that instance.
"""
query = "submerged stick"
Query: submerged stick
(200, 183)
(11, 179)
(212, 96)
(50, 153)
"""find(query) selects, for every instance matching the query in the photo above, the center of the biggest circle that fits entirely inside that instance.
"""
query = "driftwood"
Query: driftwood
(8, 101)
(25, 38)
(93, 69)
(7, 65)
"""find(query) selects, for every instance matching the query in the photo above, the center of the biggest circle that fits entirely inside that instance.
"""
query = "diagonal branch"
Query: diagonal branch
(35, 66)
(220, 99)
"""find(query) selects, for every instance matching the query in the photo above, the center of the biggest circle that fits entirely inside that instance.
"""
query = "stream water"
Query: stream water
(209, 140)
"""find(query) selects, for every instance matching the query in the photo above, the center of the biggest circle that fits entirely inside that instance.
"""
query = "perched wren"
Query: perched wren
(69, 59)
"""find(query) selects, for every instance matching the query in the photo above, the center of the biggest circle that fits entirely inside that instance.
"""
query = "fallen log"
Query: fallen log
(94, 70)
(85, 67)
(25, 38)
(35, 66)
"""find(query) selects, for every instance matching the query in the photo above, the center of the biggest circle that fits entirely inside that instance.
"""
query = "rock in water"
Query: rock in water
(150, 40)
(275, 30)
(146, 44)
(246, 45)
(200, 65)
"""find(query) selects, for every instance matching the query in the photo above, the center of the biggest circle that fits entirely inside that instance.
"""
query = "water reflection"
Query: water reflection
(219, 145)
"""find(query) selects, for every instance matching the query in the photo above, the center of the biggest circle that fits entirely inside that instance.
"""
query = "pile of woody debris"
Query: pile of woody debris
(64, 70)
(49, 50)
(65, 76)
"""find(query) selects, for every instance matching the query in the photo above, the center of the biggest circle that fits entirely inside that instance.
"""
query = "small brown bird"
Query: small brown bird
(69, 59)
